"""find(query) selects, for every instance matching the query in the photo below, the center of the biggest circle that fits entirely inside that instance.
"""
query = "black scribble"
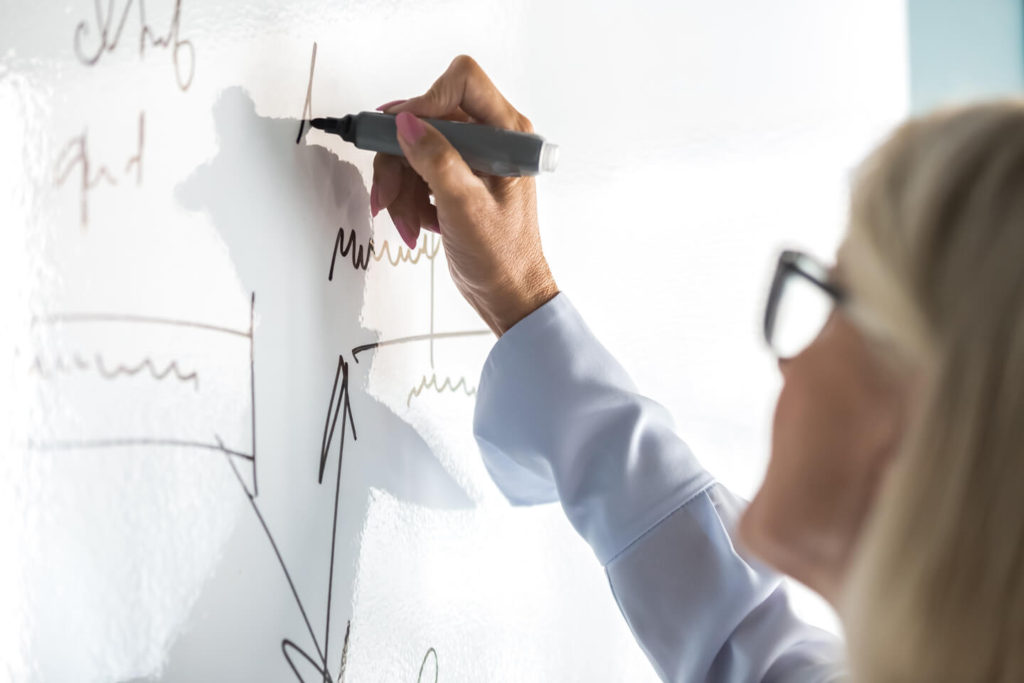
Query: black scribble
(339, 405)
(107, 39)
(361, 254)
(325, 675)
(286, 643)
(60, 366)
(307, 107)
(344, 406)
(446, 385)
(417, 338)
(76, 154)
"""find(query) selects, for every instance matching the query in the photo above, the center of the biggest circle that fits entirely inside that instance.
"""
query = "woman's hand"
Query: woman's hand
(488, 224)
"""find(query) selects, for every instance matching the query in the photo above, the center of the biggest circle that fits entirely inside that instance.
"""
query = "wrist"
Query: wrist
(536, 290)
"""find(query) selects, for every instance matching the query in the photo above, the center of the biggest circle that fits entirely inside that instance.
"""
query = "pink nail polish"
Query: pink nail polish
(406, 232)
(390, 104)
(409, 127)
(374, 208)
(433, 227)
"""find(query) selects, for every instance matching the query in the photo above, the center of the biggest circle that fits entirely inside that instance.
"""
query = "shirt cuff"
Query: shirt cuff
(557, 418)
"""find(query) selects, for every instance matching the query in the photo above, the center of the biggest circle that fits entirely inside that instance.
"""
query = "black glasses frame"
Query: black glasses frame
(793, 262)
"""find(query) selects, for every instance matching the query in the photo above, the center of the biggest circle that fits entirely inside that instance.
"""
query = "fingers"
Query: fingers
(387, 181)
(400, 190)
(404, 212)
(463, 93)
(465, 86)
(431, 155)
(427, 211)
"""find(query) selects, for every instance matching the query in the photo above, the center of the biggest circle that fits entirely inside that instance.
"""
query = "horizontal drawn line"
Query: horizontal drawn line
(82, 444)
(71, 318)
(447, 385)
(419, 337)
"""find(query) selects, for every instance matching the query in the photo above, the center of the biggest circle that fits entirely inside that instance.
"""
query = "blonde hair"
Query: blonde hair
(934, 259)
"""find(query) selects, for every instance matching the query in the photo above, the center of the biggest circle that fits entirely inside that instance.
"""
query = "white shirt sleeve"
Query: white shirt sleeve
(558, 419)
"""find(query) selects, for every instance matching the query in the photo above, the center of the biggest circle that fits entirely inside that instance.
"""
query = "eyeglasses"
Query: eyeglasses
(800, 302)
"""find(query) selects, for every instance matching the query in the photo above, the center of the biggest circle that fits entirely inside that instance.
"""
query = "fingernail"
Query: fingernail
(390, 104)
(374, 208)
(433, 227)
(409, 127)
(406, 233)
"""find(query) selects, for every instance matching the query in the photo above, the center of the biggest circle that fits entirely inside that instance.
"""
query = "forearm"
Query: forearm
(558, 419)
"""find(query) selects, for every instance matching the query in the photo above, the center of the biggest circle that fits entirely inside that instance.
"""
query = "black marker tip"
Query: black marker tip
(343, 126)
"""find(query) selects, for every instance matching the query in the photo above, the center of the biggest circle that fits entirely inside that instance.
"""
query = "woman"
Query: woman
(896, 481)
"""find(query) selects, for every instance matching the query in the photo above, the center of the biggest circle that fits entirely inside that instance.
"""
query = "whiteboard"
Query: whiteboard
(237, 438)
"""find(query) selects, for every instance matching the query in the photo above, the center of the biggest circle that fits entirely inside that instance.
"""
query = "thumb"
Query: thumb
(435, 160)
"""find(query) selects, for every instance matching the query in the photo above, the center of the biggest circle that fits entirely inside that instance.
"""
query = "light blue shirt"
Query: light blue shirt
(558, 419)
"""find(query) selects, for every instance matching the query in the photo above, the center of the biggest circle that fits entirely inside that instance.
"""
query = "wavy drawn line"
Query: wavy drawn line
(405, 254)
(361, 254)
(60, 366)
(147, 364)
(447, 385)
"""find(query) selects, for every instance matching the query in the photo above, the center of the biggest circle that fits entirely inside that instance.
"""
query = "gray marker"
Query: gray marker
(487, 149)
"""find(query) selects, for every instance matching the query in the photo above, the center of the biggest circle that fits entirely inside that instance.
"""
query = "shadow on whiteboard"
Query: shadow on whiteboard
(278, 205)
(321, 440)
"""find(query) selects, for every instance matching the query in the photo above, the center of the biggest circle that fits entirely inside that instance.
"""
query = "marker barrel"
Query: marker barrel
(487, 149)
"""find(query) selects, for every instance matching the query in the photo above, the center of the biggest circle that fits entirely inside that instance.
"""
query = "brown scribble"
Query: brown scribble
(76, 154)
(107, 39)
(446, 385)
(136, 160)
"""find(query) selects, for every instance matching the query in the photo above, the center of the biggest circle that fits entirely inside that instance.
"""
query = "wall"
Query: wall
(963, 49)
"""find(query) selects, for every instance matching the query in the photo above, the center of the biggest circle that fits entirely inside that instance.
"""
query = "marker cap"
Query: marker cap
(548, 157)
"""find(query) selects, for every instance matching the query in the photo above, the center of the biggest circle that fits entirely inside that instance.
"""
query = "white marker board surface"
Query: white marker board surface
(236, 443)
